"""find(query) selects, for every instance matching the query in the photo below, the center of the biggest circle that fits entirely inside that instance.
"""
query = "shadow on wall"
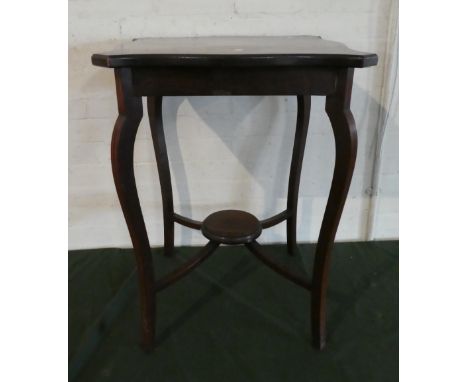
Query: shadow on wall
(259, 132)
(225, 116)
(271, 172)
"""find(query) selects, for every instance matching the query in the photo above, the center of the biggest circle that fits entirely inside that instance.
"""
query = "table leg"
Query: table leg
(302, 125)
(123, 139)
(344, 130)
(159, 144)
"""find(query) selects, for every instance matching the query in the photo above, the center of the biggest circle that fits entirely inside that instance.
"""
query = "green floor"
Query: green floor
(233, 319)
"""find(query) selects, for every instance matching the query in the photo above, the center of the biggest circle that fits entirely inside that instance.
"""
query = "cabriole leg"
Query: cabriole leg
(344, 130)
(123, 139)
(159, 144)
(303, 114)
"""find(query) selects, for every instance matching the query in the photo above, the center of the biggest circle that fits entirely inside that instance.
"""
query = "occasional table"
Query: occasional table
(208, 66)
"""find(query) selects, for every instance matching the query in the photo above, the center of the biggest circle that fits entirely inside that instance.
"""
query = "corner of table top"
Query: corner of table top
(100, 60)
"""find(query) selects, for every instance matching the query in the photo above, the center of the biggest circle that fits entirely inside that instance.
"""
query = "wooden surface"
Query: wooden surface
(234, 51)
(122, 148)
(231, 227)
(301, 66)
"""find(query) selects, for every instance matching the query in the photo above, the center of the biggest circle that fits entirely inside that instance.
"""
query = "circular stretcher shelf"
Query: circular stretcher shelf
(231, 227)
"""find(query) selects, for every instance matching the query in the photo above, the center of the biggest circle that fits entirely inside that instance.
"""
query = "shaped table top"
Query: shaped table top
(234, 51)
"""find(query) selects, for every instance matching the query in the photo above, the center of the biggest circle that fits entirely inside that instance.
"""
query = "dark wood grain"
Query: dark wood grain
(338, 109)
(234, 51)
(123, 139)
(276, 219)
(159, 144)
(231, 227)
(187, 267)
(302, 125)
(260, 253)
(176, 81)
(301, 66)
(187, 222)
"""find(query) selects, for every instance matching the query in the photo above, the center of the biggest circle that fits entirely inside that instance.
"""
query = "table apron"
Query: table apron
(173, 81)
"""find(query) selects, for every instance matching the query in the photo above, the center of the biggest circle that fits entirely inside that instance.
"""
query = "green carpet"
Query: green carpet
(233, 319)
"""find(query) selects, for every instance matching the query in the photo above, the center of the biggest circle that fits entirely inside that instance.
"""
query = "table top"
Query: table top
(234, 51)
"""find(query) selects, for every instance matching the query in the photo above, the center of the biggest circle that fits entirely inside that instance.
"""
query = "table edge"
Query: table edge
(232, 60)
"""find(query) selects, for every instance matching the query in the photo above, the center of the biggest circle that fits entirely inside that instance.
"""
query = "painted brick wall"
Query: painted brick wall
(230, 152)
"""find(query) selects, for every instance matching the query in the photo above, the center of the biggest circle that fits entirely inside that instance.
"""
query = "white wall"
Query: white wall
(231, 152)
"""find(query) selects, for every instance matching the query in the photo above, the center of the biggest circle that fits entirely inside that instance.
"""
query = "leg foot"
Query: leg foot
(148, 322)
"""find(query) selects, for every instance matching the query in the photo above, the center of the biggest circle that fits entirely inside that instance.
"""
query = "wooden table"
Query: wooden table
(301, 66)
